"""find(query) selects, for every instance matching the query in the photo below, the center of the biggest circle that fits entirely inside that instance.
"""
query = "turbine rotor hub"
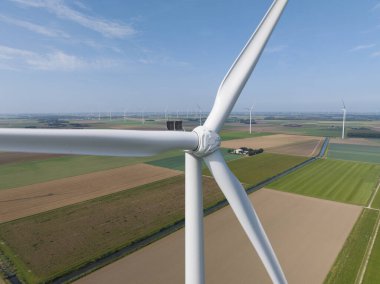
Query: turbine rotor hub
(209, 141)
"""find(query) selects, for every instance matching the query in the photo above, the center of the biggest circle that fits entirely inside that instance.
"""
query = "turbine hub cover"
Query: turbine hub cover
(209, 141)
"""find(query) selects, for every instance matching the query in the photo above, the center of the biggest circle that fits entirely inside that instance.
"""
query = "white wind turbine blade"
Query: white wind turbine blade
(95, 142)
(244, 211)
(236, 78)
(344, 106)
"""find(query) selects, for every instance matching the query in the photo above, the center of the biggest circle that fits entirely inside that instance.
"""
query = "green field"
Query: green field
(49, 244)
(26, 173)
(255, 169)
(230, 135)
(347, 264)
(372, 273)
(178, 162)
(376, 200)
(342, 181)
(361, 153)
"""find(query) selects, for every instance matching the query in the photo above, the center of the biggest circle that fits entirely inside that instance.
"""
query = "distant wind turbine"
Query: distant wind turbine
(344, 118)
(250, 118)
(143, 116)
(200, 114)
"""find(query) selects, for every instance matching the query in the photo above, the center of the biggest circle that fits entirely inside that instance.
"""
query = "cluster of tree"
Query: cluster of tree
(246, 151)
(364, 133)
(246, 121)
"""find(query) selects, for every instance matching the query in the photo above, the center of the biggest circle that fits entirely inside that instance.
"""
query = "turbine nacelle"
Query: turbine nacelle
(208, 141)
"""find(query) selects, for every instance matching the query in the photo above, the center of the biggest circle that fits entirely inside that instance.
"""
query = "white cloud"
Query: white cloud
(362, 47)
(105, 27)
(13, 58)
(376, 54)
(32, 27)
(376, 7)
(275, 49)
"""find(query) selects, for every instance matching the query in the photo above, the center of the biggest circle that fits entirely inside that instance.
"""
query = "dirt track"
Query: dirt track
(306, 233)
(279, 143)
(27, 200)
(6, 158)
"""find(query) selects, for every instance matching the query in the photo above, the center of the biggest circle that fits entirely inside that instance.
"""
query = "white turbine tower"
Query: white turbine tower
(250, 118)
(201, 144)
(344, 119)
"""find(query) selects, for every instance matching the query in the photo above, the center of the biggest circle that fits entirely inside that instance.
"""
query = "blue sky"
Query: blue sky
(87, 55)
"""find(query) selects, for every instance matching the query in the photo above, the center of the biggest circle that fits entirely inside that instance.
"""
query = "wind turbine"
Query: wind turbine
(143, 116)
(250, 118)
(200, 114)
(344, 118)
(202, 143)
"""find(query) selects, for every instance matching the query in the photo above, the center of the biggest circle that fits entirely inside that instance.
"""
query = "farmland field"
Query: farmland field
(50, 243)
(7, 157)
(255, 169)
(342, 181)
(376, 199)
(360, 153)
(230, 135)
(306, 233)
(347, 265)
(26, 173)
(31, 199)
(372, 274)
(306, 148)
(267, 142)
(356, 141)
(178, 162)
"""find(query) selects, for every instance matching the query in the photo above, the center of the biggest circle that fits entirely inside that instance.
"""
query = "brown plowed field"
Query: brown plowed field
(356, 141)
(307, 235)
(27, 200)
(279, 143)
(307, 148)
(6, 158)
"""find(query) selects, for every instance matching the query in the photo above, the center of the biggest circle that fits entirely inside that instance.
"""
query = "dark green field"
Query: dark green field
(360, 153)
(26, 173)
(335, 180)
(178, 162)
(347, 264)
(46, 245)
(255, 169)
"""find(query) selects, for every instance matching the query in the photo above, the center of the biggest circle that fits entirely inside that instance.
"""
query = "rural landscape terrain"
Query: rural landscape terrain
(93, 219)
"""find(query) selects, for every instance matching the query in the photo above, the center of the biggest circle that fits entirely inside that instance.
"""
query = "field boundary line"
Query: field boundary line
(363, 265)
(374, 195)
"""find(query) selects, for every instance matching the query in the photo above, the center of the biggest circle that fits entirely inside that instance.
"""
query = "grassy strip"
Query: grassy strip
(372, 274)
(360, 153)
(343, 181)
(255, 169)
(47, 245)
(230, 135)
(26, 173)
(347, 264)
